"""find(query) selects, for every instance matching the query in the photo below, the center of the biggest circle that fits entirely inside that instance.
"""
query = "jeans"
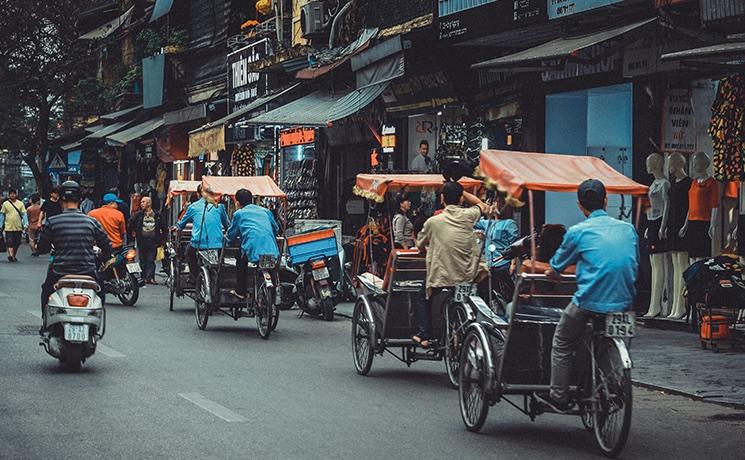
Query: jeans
(567, 338)
(424, 312)
(147, 251)
(47, 288)
(191, 259)
(241, 275)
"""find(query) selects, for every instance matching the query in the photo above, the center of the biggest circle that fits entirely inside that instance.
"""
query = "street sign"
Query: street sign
(57, 163)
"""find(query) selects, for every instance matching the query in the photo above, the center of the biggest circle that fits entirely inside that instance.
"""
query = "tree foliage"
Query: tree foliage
(41, 63)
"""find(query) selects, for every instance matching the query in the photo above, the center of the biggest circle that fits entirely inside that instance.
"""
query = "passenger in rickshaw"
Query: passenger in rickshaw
(403, 229)
(453, 254)
(499, 234)
(208, 218)
(605, 252)
(257, 230)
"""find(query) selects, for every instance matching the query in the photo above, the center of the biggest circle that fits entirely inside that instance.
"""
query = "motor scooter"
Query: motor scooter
(74, 320)
(119, 275)
(315, 290)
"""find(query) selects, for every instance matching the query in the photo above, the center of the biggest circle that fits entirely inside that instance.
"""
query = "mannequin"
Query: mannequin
(680, 185)
(657, 217)
(703, 210)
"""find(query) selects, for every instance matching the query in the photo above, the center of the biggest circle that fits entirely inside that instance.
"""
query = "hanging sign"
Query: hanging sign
(57, 163)
(296, 136)
(558, 9)
(244, 86)
(678, 124)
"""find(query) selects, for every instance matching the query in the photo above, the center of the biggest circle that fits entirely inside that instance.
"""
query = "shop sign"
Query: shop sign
(678, 122)
(468, 22)
(643, 56)
(245, 86)
(574, 69)
(296, 136)
(558, 9)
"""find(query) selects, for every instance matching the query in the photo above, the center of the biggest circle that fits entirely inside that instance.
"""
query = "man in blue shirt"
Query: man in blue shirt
(605, 252)
(257, 230)
(208, 221)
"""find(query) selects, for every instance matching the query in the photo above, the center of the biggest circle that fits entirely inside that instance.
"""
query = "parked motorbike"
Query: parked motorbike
(74, 321)
(315, 290)
(119, 275)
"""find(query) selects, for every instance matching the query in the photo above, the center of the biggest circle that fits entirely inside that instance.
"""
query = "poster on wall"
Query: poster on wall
(685, 118)
(421, 127)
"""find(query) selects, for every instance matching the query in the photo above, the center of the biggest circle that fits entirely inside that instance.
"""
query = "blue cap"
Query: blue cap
(109, 198)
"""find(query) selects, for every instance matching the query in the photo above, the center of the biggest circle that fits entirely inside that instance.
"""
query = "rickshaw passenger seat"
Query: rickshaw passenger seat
(537, 313)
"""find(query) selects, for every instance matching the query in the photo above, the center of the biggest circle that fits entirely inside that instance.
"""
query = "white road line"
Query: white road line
(4, 294)
(108, 351)
(35, 313)
(212, 407)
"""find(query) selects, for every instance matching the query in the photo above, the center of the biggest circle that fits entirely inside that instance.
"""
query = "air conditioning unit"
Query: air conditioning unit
(311, 18)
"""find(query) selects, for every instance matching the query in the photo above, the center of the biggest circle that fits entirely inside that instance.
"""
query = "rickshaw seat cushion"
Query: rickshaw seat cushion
(537, 313)
(528, 266)
(373, 281)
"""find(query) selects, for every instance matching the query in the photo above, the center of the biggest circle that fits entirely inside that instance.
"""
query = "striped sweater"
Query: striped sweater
(72, 235)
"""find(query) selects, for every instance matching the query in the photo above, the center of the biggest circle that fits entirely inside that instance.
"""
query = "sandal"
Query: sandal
(424, 343)
(238, 296)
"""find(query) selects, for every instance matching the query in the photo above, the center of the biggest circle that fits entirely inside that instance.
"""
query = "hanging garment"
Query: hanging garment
(678, 213)
(702, 198)
(727, 129)
(244, 161)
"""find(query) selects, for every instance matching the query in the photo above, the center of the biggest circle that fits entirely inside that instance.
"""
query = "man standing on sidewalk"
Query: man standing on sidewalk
(34, 223)
(15, 221)
(146, 226)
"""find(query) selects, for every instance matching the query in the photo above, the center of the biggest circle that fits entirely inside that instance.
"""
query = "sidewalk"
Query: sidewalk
(674, 361)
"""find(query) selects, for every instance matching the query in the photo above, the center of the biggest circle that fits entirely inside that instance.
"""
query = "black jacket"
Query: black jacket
(135, 226)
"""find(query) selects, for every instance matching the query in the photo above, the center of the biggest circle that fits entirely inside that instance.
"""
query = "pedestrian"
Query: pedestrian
(34, 224)
(86, 205)
(146, 227)
(16, 221)
(111, 220)
(50, 207)
(422, 163)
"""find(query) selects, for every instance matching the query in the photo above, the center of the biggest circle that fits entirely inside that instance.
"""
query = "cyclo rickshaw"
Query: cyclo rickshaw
(217, 268)
(383, 317)
(505, 356)
(178, 241)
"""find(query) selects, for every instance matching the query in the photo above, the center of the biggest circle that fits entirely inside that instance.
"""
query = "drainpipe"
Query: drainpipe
(338, 16)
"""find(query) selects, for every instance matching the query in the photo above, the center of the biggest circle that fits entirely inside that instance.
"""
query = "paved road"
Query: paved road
(163, 389)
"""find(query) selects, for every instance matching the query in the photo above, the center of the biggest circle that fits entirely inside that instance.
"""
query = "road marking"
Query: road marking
(211, 406)
(3, 294)
(108, 351)
(35, 313)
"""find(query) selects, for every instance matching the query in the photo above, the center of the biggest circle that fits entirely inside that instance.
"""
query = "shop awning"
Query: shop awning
(514, 172)
(320, 108)
(338, 56)
(162, 8)
(721, 50)
(263, 186)
(72, 146)
(108, 129)
(114, 116)
(566, 47)
(130, 134)
(192, 112)
(179, 187)
(109, 28)
(375, 186)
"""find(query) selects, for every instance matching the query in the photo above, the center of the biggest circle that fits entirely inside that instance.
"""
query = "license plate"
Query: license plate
(463, 292)
(321, 274)
(620, 324)
(134, 268)
(76, 332)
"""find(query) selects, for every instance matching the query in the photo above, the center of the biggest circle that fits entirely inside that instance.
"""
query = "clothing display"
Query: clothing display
(654, 244)
(301, 186)
(658, 192)
(741, 235)
(702, 198)
(698, 241)
(678, 213)
(727, 129)
(243, 161)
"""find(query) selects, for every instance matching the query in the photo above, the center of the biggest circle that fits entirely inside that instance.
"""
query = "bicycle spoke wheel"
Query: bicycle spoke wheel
(264, 311)
(612, 408)
(202, 307)
(363, 339)
(474, 405)
(456, 319)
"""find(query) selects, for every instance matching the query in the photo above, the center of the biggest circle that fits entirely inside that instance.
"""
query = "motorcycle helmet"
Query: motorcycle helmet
(70, 191)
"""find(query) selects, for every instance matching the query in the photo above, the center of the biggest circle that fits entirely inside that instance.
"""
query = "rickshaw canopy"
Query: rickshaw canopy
(514, 172)
(375, 186)
(177, 187)
(263, 186)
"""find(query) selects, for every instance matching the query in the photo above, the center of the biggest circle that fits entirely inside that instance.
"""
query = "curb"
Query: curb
(685, 394)
(342, 315)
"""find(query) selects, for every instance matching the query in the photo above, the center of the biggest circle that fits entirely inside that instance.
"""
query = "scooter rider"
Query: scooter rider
(605, 252)
(72, 234)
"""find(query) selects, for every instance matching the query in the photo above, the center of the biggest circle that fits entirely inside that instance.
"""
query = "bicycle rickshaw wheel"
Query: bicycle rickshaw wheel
(611, 416)
(455, 322)
(264, 311)
(172, 283)
(201, 307)
(275, 315)
(472, 396)
(363, 340)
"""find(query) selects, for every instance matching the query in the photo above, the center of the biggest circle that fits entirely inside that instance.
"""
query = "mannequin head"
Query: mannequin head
(655, 165)
(677, 164)
(700, 163)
